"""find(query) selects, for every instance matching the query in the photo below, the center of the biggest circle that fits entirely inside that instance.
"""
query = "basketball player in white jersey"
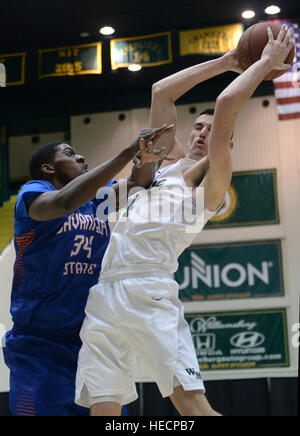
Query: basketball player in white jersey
(134, 316)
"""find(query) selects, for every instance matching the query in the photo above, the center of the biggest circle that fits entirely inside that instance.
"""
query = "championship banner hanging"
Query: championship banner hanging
(146, 51)
(14, 64)
(240, 340)
(210, 41)
(71, 61)
(251, 200)
(227, 271)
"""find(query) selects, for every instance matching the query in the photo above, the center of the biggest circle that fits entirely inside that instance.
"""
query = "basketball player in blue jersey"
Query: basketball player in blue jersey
(60, 243)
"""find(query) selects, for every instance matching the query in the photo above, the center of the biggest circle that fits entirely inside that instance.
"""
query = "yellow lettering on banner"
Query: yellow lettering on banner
(69, 60)
(216, 297)
(243, 365)
(58, 69)
(139, 57)
(214, 40)
(78, 66)
(71, 52)
(198, 297)
(140, 49)
(123, 52)
(146, 57)
(204, 366)
(220, 366)
(136, 57)
(68, 68)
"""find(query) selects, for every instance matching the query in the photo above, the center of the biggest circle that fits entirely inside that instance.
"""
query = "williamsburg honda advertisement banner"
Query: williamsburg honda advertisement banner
(240, 340)
(227, 271)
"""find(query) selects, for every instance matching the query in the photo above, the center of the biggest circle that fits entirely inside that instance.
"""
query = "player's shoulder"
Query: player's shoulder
(37, 185)
(28, 193)
(34, 188)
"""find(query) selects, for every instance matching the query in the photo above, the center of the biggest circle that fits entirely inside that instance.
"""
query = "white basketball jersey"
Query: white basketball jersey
(157, 226)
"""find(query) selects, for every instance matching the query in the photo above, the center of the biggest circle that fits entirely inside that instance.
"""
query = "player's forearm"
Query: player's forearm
(84, 188)
(242, 88)
(168, 90)
(173, 87)
(228, 104)
(143, 176)
(140, 178)
(197, 172)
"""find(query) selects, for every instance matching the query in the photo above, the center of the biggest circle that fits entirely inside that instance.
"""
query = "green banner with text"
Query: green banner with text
(15, 68)
(240, 340)
(147, 51)
(250, 200)
(71, 61)
(231, 271)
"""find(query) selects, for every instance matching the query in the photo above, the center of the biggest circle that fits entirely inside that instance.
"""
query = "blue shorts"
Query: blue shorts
(43, 374)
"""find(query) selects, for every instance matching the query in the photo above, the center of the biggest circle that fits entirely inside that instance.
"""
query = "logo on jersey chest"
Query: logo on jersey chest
(78, 221)
(157, 183)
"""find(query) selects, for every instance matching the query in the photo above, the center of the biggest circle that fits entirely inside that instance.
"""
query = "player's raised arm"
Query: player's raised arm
(229, 102)
(168, 90)
(145, 161)
(83, 185)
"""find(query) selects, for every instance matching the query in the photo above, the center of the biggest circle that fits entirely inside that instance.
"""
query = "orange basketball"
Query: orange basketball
(252, 44)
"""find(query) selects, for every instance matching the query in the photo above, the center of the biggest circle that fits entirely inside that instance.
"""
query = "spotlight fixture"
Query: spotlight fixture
(134, 67)
(272, 10)
(248, 14)
(107, 30)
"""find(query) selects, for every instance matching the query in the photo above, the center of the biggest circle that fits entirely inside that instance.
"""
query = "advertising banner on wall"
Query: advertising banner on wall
(240, 340)
(211, 40)
(15, 68)
(71, 61)
(227, 271)
(147, 51)
(250, 200)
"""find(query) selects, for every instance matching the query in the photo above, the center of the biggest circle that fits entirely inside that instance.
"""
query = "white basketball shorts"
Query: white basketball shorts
(130, 323)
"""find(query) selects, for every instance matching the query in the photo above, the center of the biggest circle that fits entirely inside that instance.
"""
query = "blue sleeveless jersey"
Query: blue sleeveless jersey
(57, 262)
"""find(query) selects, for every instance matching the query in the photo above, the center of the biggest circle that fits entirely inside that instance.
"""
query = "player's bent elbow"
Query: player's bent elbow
(159, 90)
(226, 110)
(156, 88)
(226, 101)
